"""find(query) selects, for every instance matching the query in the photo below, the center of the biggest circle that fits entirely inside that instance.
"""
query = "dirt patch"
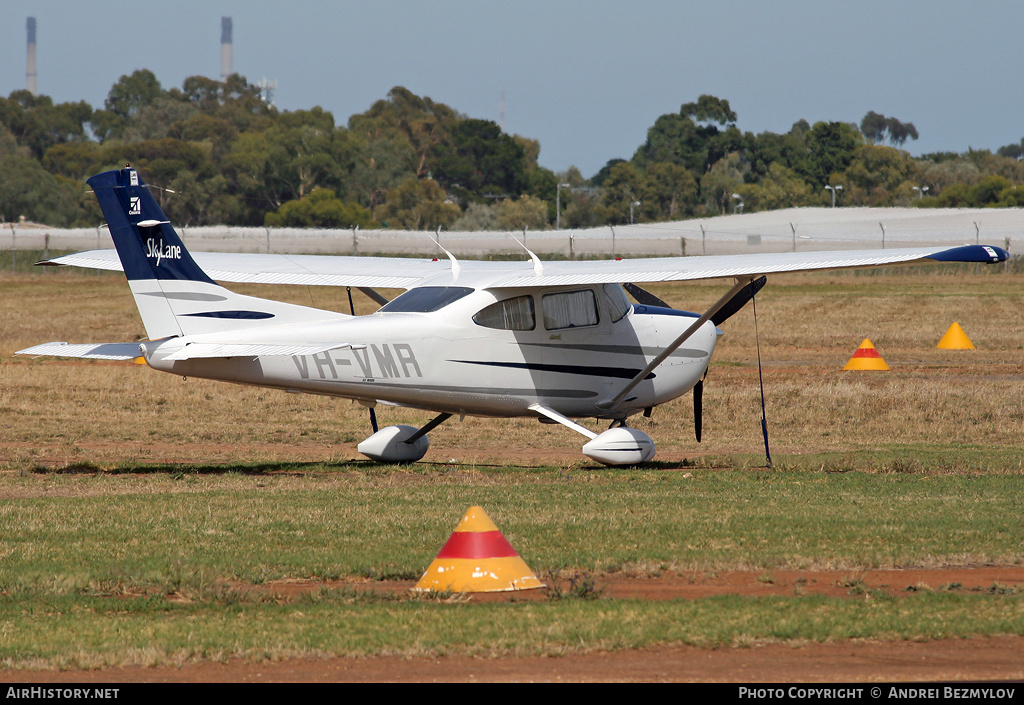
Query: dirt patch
(979, 659)
(975, 659)
(694, 585)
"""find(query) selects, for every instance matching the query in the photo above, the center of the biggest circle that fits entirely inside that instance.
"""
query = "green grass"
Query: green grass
(90, 558)
(91, 632)
(390, 523)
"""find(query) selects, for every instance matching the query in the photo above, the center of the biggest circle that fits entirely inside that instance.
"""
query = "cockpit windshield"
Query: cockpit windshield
(426, 299)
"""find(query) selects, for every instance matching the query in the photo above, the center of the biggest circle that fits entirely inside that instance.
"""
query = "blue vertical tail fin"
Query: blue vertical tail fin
(174, 295)
(147, 244)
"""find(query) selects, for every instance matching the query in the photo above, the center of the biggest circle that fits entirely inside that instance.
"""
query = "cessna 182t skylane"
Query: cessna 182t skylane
(553, 340)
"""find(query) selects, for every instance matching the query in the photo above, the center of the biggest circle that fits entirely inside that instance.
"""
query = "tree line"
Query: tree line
(219, 152)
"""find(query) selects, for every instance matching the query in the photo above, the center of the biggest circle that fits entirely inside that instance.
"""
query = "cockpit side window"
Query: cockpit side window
(509, 314)
(618, 302)
(426, 299)
(570, 309)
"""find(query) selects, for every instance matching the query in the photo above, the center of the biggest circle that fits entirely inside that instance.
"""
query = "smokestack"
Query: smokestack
(30, 73)
(225, 48)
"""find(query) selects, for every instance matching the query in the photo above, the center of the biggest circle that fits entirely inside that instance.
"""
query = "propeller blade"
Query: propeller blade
(738, 301)
(698, 408)
(644, 297)
(674, 345)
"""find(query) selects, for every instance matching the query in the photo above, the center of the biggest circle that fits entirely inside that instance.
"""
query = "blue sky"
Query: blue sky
(584, 77)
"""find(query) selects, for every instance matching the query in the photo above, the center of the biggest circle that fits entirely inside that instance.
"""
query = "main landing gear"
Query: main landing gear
(619, 445)
(400, 444)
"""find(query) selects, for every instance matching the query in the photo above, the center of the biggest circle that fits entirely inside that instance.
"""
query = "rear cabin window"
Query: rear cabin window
(510, 314)
(570, 309)
(426, 299)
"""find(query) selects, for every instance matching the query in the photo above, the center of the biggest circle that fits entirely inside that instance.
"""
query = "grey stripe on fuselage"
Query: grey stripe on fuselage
(184, 295)
(529, 392)
(619, 349)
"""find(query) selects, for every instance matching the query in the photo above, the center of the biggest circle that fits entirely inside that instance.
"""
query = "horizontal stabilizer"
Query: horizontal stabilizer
(194, 351)
(90, 351)
(93, 259)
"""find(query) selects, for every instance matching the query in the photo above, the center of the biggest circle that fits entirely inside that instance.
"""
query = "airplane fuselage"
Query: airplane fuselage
(445, 361)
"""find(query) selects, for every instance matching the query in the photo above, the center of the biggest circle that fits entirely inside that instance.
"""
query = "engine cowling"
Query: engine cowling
(620, 446)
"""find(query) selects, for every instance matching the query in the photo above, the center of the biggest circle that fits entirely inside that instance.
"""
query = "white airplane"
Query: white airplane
(553, 340)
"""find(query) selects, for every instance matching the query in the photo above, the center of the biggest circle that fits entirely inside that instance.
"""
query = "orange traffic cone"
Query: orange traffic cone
(955, 339)
(866, 358)
(477, 558)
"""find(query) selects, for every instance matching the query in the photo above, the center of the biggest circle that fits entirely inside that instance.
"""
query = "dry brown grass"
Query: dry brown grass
(56, 412)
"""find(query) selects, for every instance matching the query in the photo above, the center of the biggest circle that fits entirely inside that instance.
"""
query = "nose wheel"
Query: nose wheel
(619, 445)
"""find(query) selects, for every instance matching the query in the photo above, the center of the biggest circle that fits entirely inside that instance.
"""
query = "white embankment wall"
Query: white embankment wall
(800, 229)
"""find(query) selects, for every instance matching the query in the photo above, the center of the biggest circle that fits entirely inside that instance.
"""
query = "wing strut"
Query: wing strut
(372, 294)
(352, 308)
(737, 288)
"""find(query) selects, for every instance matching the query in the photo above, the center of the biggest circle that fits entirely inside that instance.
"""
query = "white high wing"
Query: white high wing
(553, 340)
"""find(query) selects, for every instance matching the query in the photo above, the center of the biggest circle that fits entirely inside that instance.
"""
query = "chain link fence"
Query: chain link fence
(799, 229)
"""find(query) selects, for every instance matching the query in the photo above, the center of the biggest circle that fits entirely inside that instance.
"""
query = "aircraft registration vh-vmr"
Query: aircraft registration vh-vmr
(558, 341)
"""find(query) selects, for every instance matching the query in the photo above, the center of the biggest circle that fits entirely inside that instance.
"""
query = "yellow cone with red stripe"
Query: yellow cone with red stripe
(955, 339)
(477, 558)
(866, 358)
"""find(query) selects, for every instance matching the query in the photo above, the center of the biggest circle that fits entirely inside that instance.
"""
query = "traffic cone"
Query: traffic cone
(955, 339)
(866, 358)
(477, 558)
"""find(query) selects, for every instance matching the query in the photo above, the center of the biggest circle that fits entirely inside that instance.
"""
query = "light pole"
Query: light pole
(632, 204)
(833, 189)
(558, 205)
(920, 191)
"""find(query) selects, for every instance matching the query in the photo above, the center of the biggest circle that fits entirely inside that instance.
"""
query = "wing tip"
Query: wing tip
(980, 254)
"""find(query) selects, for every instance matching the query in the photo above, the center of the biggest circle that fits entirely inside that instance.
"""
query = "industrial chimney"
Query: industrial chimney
(30, 73)
(225, 48)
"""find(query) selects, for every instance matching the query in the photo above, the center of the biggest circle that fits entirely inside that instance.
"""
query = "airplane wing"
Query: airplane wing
(666, 269)
(303, 270)
(406, 273)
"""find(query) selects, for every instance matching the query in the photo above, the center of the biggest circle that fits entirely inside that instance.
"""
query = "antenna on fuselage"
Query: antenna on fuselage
(538, 267)
(437, 241)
